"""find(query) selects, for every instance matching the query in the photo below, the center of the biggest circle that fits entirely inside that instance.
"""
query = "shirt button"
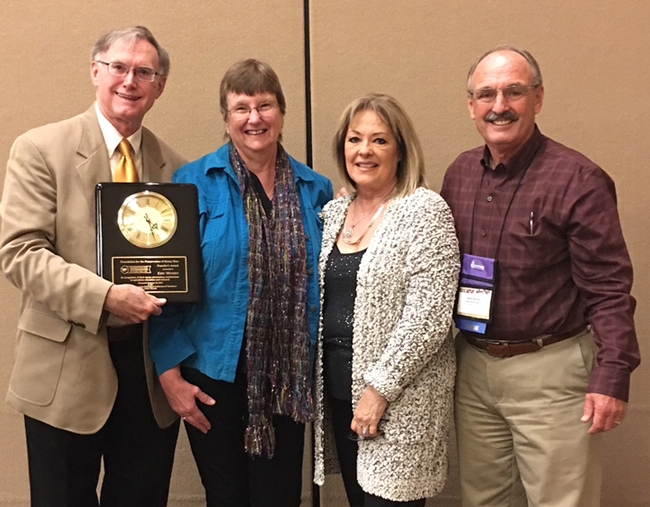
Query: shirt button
(483, 234)
(312, 308)
(310, 271)
(489, 198)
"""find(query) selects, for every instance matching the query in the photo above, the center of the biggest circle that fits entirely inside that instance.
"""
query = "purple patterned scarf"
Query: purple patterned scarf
(277, 334)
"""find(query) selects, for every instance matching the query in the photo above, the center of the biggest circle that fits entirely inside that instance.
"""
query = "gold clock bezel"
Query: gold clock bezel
(129, 228)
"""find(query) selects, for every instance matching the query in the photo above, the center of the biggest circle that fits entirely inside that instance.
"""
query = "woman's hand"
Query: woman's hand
(182, 398)
(342, 191)
(369, 411)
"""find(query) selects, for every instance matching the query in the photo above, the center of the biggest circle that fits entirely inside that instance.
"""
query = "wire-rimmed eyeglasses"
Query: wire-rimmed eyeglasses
(243, 110)
(120, 69)
(512, 93)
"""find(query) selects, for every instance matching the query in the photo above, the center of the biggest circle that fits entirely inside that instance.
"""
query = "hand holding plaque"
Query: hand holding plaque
(139, 240)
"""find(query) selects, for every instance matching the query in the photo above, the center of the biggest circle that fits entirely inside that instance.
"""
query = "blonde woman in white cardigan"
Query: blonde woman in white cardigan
(388, 274)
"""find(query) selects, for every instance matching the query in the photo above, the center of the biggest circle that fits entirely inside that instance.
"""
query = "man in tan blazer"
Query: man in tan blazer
(82, 376)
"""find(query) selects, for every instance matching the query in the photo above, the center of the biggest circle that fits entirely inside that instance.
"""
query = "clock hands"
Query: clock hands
(152, 225)
(147, 219)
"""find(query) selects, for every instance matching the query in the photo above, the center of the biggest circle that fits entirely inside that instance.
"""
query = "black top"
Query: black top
(338, 319)
(267, 204)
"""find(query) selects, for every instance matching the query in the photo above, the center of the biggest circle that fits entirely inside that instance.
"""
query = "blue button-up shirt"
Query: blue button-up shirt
(208, 336)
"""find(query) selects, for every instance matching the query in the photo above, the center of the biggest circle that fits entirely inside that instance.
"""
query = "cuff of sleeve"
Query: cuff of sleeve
(384, 386)
(610, 382)
(165, 358)
(166, 348)
(95, 306)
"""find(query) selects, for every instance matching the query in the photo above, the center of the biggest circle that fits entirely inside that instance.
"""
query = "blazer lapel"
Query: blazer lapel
(93, 165)
(152, 159)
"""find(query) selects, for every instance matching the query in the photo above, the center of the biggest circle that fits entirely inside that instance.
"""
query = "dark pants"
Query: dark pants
(347, 453)
(138, 456)
(231, 477)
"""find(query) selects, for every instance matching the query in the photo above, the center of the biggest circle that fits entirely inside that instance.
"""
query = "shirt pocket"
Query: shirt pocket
(536, 240)
(212, 219)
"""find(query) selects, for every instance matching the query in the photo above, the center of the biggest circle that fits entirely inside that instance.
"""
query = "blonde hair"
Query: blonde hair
(410, 165)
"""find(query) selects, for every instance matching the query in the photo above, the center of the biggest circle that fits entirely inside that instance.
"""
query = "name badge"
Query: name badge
(475, 293)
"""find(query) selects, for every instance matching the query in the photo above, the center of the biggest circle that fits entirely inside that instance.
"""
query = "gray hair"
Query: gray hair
(132, 34)
(534, 66)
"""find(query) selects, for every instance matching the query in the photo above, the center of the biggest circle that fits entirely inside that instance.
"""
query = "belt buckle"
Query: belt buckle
(498, 349)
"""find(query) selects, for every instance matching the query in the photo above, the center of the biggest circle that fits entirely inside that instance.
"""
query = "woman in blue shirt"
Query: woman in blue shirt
(238, 366)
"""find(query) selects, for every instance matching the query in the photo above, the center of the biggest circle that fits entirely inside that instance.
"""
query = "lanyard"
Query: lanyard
(505, 217)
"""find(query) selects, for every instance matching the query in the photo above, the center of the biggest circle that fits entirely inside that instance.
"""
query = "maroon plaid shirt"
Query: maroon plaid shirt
(571, 269)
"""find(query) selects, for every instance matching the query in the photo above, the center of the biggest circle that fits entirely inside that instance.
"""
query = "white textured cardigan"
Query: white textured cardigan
(402, 346)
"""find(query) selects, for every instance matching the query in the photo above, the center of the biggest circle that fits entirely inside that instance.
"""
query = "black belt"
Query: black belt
(119, 333)
(498, 348)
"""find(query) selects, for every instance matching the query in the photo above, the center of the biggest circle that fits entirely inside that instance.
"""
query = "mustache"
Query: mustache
(505, 116)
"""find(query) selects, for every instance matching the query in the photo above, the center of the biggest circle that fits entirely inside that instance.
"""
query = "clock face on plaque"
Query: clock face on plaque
(147, 219)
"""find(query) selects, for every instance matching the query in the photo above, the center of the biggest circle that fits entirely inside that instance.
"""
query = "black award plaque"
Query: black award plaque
(148, 236)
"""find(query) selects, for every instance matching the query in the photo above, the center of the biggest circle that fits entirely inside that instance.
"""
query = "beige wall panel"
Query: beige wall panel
(595, 58)
(44, 77)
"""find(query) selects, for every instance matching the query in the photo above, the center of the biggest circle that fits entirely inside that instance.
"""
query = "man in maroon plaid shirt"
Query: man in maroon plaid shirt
(544, 364)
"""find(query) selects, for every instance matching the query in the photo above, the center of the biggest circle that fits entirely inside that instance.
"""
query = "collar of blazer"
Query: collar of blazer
(93, 165)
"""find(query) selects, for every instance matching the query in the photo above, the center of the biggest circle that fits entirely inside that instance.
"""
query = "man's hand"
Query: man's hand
(182, 398)
(370, 409)
(604, 412)
(132, 304)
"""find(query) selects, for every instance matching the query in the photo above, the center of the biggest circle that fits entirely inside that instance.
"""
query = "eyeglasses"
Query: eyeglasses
(512, 93)
(244, 111)
(120, 69)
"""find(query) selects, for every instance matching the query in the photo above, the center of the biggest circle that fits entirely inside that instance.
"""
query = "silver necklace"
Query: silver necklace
(347, 233)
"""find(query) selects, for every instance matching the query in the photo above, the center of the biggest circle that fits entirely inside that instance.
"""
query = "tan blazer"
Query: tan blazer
(63, 374)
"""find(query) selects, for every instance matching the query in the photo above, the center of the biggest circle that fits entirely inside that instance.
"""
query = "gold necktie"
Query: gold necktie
(125, 171)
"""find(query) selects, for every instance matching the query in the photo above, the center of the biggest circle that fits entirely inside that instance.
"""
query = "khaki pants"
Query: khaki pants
(520, 439)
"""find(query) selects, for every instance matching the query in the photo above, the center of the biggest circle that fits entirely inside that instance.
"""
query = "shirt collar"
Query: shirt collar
(520, 159)
(112, 137)
(220, 160)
